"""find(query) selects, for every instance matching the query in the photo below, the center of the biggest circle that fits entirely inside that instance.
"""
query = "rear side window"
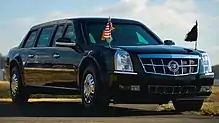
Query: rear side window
(44, 37)
(70, 33)
(30, 40)
(58, 33)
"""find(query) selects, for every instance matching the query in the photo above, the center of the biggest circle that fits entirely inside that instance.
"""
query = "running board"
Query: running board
(52, 90)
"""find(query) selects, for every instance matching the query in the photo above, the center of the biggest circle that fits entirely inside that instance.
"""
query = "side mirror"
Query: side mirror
(169, 42)
(64, 42)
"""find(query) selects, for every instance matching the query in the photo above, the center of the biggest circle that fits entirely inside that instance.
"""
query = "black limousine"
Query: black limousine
(104, 60)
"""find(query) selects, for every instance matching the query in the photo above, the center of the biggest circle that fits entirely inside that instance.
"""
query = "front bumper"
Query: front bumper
(149, 88)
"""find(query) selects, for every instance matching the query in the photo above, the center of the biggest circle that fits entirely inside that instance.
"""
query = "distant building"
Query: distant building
(1, 74)
(2, 62)
(2, 65)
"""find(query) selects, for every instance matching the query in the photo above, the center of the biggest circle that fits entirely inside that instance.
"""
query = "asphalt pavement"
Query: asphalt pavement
(216, 82)
(72, 112)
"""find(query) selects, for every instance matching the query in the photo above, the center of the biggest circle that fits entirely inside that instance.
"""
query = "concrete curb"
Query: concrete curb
(44, 100)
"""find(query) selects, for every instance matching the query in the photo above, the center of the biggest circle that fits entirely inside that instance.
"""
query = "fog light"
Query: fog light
(130, 87)
(135, 87)
(206, 89)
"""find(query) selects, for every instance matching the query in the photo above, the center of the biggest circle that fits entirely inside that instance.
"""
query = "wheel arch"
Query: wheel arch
(16, 61)
(84, 63)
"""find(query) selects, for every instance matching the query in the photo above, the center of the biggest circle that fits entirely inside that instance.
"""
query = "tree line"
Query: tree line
(2, 61)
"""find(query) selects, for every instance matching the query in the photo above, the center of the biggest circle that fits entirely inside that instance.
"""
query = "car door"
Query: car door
(39, 70)
(27, 55)
(66, 60)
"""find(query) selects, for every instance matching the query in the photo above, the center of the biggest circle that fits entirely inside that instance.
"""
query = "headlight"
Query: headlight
(206, 63)
(123, 61)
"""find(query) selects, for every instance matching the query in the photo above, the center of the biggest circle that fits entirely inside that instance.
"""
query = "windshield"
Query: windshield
(123, 34)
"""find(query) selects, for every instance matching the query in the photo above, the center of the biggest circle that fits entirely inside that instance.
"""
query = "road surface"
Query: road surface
(72, 112)
(216, 82)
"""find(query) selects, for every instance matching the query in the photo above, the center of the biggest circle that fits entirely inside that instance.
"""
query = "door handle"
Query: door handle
(30, 56)
(56, 55)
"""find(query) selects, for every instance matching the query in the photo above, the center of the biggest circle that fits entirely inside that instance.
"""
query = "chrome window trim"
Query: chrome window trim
(162, 56)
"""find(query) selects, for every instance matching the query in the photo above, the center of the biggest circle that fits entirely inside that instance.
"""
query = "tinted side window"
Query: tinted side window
(44, 37)
(70, 33)
(30, 40)
(58, 34)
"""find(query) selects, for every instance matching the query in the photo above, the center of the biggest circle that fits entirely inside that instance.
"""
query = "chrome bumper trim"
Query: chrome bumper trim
(120, 72)
(209, 74)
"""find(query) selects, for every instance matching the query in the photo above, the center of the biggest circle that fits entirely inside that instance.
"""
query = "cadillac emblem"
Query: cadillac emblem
(173, 66)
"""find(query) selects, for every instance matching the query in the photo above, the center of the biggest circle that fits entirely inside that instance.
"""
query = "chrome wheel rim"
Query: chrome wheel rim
(14, 84)
(89, 88)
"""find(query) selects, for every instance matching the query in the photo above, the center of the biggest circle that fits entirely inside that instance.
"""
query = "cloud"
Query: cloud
(170, 20)
(23, 21)
(181, 5)
(155, 15)
(23, 24)
(59, 15)
(165, 19)
(33, 20)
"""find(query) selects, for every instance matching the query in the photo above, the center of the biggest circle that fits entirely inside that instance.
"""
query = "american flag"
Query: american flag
(107, 31)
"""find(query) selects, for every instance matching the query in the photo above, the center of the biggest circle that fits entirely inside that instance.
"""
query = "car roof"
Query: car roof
(85, 19)
(115, 20)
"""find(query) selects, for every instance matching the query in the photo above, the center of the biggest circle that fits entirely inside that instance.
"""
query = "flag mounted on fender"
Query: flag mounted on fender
(107, 31)
(192, 35)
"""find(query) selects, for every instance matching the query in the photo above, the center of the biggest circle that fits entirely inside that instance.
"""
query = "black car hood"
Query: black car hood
(158, 49)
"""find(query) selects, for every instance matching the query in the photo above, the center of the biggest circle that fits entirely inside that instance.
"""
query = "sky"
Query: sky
(169, 19)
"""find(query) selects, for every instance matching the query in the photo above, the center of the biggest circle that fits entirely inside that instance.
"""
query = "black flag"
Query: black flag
(192, 34)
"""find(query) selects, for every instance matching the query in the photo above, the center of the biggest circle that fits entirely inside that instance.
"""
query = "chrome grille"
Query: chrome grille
(160, 64)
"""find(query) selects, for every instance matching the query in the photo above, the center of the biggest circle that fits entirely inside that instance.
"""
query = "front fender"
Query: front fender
(103, 61)
(15, 60)
(18, 60)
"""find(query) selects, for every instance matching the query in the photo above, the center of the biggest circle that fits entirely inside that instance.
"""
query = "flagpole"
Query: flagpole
(196, 45)
(109, 42)
(196, 42)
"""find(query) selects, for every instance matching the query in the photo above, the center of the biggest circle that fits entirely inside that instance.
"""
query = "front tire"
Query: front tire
(94, 92)
(182, 106)
(17, 90)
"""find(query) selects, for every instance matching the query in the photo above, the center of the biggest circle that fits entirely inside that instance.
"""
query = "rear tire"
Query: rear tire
(94, 96)
(17, 90)
(182, 106)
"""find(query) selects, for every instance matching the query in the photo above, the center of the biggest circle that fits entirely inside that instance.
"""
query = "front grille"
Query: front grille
(173, 65)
